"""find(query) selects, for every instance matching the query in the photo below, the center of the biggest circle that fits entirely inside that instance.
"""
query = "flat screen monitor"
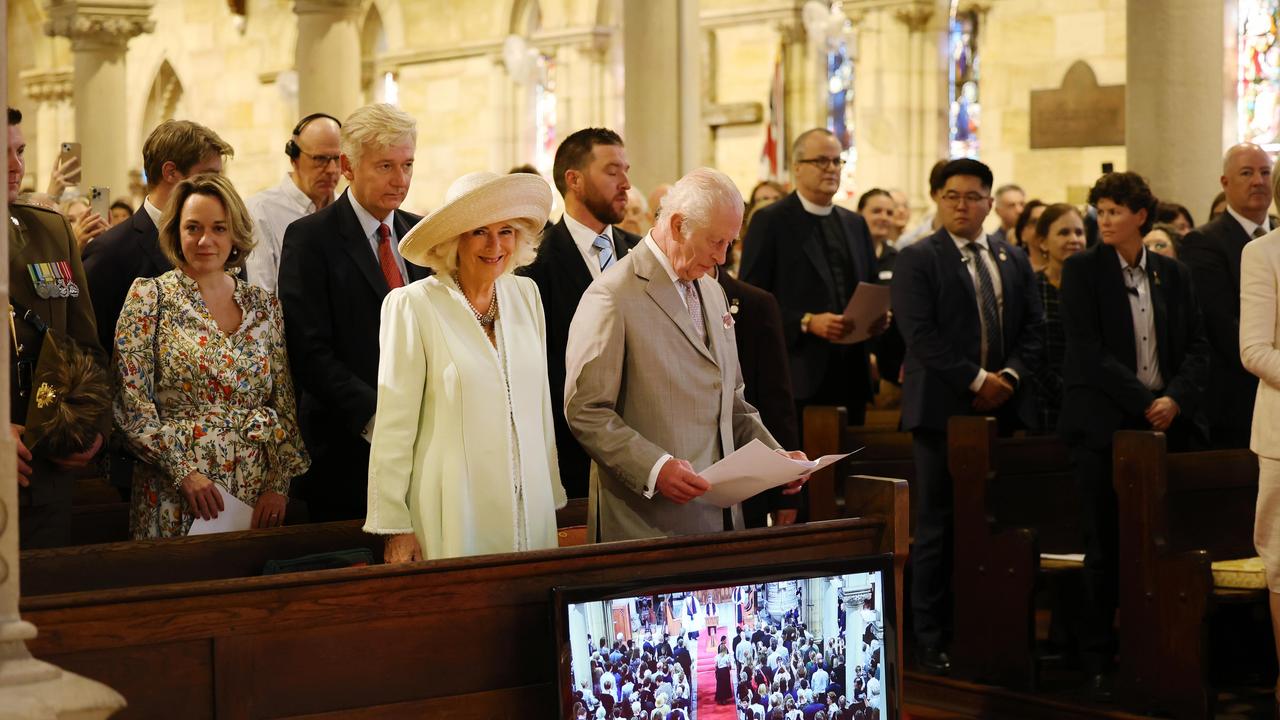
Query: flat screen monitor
(729, 644)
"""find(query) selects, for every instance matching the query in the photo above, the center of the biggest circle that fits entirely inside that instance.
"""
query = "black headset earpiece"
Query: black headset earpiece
(291, 147)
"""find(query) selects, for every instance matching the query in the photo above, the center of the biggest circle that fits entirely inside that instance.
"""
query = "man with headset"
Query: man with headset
(309, 186)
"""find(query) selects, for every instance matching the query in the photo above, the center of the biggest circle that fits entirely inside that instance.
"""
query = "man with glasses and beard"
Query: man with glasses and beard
(811, 254)
(591, 173)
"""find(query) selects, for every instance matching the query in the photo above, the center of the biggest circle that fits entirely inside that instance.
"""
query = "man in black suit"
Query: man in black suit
(1212, 251)
(971, 320)
(1136, 358)
(811, 255)
(762, 357)
(336, 266)
(591, 173)
(175, 150)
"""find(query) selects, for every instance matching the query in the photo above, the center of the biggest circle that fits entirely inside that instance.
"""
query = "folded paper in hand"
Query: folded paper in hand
(754, 468)
(868, 304)
(237, 516)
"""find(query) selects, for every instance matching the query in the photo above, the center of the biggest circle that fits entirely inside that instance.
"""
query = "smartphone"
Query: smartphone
(100, 202)
(71, 150)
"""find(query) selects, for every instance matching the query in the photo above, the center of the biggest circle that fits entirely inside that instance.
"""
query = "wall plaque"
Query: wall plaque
(1078, 114)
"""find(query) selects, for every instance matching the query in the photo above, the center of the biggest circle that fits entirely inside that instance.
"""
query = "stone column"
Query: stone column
(51, 91)
(928, 106)
(1175, 51)
(327, 56)
(30, 688)
(661, 40)
(99, 31)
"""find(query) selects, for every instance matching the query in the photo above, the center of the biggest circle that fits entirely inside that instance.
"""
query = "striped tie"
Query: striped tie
(606, 250)
(695, 308)
(990, 310)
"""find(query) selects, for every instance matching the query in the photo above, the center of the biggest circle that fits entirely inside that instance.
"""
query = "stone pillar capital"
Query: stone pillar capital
(327, 7)
(916, 16)
(981, 7)
(47, 85)
(94, 24)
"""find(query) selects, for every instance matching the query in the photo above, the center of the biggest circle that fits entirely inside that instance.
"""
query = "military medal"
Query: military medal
(44, 288)
(67, 282)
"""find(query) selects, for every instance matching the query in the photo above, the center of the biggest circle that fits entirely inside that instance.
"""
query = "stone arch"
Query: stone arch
(164, 100)
(526, 16)
(373, 43)
(388, 13)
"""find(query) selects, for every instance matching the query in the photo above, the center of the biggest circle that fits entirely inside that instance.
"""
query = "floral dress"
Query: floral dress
(191, 397)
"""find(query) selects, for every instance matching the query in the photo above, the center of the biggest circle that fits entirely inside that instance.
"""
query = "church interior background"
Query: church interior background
(496, 83)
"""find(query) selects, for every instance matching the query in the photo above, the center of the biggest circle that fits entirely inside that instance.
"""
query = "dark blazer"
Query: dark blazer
(762, 355)
(781, 255)
(562, 276)
(331, 289)
(1212, 251)
(116, 258)
(935, 305)
(1102, 391)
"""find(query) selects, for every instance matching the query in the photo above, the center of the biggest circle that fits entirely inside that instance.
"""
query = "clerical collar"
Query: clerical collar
(814, 208)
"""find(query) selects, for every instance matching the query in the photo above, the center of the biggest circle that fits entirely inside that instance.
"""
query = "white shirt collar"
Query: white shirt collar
(961, 243)
(584, 236)
(152, 211)
(289, 189)
(1142, 261)
(814, 208)
(368, 222)
(663, 260)
(1248, 225)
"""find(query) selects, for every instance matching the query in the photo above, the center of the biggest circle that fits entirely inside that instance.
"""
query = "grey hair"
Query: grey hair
(697, 196)
(379, 125)
(443, 257)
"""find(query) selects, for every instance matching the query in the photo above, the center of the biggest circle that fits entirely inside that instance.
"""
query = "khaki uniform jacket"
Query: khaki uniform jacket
(39, 235)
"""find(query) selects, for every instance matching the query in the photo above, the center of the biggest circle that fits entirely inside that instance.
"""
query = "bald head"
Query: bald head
(1246, 180)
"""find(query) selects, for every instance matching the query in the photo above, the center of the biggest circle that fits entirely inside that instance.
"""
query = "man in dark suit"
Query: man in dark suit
(1136, 358)
(591, 173)
(762, 356)
(174, 151)
(1212, 251)
(811, 255)
(971, 320)
(45, 279)
(336, 266)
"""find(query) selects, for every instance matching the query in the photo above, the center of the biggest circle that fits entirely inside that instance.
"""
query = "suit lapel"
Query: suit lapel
(1160, 309)
(147, 235)
(356, 245)
(667, 296)
(1008, 281)
(1115, 295)
(861, 270)
(1235, 238)
(805, 227)
(621, 242)
(415, 272)
(958, 263)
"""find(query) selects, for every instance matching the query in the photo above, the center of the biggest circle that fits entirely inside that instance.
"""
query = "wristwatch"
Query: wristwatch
(804, 322)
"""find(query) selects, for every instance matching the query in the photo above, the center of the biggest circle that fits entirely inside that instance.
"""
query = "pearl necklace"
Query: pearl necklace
(485, 319)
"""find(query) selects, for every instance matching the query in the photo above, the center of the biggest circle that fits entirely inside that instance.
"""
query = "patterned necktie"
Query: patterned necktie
(387, 259)
(989, 307)
(606, 250)
(695, 308)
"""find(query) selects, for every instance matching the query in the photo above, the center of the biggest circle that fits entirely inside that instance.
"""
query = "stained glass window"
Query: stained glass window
(840, 101)
(1258, 75)
(964, 78)
(544, 104)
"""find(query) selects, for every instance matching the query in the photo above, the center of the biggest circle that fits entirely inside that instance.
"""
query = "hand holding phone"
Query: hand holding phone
(66, 172)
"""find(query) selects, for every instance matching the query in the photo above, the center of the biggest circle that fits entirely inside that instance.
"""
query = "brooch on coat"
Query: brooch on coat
(728, 319)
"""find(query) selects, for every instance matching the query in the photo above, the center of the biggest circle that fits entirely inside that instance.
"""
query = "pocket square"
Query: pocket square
(727, 320)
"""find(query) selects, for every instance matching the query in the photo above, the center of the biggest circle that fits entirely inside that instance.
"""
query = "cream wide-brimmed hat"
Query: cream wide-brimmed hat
(475, 200)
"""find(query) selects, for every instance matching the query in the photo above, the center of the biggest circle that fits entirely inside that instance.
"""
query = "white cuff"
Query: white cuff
(1014, 373)
(976, 385)
(367, 433)
(650, 486)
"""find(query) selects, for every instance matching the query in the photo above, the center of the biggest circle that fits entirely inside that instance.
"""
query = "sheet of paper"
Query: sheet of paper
(868, 304)
(754, 468)
(235, 517)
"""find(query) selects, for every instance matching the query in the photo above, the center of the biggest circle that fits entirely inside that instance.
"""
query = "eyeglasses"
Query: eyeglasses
(824, 163)
(320, 162)
(954, 198)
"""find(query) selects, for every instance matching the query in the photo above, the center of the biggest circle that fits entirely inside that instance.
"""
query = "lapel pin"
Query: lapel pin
(733, 306)
(1003, 257)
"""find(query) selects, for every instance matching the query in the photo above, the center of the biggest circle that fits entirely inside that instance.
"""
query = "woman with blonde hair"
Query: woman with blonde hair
(204, 395)
(463, 459)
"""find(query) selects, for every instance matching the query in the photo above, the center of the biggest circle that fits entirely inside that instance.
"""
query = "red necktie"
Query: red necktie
(387, 258)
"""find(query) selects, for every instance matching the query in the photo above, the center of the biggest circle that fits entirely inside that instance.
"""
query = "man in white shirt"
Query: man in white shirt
(314, 153)
(591, 173)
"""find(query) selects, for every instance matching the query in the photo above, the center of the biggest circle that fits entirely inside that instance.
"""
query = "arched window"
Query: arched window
(379, 86)
(544, 109)
(964, 81)
(1258, 73)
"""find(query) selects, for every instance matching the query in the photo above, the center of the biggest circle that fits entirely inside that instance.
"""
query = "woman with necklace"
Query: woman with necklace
(463, 459)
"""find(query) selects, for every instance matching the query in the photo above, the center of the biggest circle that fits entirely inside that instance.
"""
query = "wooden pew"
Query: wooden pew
(826, 432)
(1013, 499)
(1180, 512)
(460, 638)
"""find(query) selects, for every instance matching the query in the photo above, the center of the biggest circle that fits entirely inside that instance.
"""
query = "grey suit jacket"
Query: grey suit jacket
(640, 383)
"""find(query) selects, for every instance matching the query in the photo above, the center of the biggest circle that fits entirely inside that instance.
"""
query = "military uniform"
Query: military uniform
(45, 277)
